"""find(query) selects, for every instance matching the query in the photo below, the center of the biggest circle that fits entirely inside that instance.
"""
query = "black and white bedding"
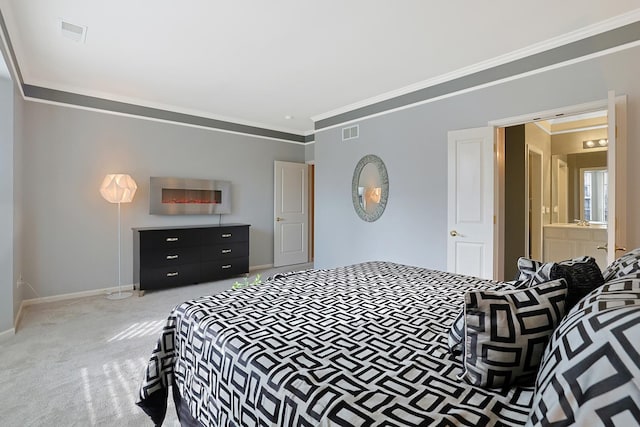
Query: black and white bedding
(358, 345)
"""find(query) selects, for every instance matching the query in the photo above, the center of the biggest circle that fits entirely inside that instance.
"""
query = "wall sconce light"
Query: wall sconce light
(595, 143)
(373, 194)
(118, 188)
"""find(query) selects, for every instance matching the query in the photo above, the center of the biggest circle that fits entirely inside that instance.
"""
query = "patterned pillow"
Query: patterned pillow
(527, 268)
(506, 333)
(456, 332)
(589, 372)
(582, 275)
(628, 263)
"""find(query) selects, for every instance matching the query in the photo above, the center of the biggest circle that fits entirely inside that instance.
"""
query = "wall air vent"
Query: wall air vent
(351, 132)
(77, 33)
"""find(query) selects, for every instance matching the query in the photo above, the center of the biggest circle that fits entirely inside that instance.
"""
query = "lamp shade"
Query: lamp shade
(118, 188)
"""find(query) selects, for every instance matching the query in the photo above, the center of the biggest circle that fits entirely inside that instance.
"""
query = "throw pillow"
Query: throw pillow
(589, 372)
(627, 264)
(583, 276)
(456, 331)
(527, 268)
(506, 332)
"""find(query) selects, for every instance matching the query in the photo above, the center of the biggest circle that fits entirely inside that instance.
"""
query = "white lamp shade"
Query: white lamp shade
(118, 188)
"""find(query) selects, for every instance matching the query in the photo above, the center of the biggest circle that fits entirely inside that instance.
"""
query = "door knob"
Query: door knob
(279, 219)
(453, 233)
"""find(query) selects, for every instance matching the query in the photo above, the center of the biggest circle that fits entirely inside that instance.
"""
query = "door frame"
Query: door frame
(311, 168)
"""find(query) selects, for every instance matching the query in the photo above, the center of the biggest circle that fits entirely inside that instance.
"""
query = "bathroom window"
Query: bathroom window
(594, 194)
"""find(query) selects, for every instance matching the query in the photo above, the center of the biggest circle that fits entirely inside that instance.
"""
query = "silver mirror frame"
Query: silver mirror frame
(384, 185)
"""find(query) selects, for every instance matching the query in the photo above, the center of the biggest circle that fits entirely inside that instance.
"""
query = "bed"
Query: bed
(370, 345)
(359, 345)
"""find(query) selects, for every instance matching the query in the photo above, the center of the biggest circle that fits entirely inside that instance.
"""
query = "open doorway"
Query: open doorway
(550, 189)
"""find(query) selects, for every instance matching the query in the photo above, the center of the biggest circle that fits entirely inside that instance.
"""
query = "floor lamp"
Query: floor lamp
(118, 188)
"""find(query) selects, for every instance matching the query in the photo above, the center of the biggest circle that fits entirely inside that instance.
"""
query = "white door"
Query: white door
(616, 179)
(290, 214)
(470, 207)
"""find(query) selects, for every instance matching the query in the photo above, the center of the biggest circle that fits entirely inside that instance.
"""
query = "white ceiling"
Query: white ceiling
(256, 61)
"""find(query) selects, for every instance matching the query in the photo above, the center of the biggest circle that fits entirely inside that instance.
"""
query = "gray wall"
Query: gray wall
(514, 199)
(6, 204)
(309, 152)
(18, 229)
(413, 144)
(70, 232)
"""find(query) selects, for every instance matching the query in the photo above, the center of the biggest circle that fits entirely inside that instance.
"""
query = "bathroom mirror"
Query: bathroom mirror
(579, 188)
(370, 188)
(579, 181)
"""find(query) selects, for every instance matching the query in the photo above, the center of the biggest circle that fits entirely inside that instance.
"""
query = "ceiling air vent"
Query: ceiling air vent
(351, 132)
(77, 33)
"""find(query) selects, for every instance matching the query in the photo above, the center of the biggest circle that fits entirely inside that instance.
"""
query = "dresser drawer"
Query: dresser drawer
(162, 277)
(213, 270)
(170, 256)
(225, 251)
(176, 238)
(225, 235)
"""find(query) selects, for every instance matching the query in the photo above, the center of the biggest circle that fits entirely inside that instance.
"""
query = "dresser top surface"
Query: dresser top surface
(180, 227)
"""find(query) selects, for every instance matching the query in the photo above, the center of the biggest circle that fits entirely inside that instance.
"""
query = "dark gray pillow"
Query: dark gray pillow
(506, 333)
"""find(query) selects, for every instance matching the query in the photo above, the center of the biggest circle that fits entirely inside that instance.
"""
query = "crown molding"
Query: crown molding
(159, 106)
(591, 30)
(159, 120)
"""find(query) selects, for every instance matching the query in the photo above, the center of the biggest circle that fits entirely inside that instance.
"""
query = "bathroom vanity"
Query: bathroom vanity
(566, 241)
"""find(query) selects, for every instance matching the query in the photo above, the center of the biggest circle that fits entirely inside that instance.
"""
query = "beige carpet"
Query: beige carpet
(79, 362)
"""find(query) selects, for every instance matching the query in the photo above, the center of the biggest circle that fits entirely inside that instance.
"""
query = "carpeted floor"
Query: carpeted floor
(79, 362)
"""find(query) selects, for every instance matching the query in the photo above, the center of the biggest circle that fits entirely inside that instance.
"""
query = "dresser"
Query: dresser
(175, 256)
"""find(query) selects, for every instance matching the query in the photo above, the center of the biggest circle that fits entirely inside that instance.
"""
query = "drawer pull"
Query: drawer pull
(224, 267)
(172, 256)
(172, 274)
(171, 239)
(226, 251)
(226, 235)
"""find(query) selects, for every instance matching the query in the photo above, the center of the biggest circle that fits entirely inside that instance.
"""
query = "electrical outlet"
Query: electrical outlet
(20, 282)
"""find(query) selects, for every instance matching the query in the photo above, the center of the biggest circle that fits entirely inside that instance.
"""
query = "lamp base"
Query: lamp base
(119, 295)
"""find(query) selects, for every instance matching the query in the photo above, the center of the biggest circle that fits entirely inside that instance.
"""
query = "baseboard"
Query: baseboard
(18, 318)
(7, 334)
(260, 267)
(75, 295)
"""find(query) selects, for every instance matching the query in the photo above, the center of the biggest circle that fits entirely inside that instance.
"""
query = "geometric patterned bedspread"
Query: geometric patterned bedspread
(363, 345)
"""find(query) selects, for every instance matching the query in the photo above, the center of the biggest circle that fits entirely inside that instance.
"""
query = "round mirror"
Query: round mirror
(370, 188)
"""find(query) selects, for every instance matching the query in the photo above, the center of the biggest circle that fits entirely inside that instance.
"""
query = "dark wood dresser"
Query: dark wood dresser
(176, 256)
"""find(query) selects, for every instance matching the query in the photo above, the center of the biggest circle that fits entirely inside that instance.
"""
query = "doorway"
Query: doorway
(577, 145)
